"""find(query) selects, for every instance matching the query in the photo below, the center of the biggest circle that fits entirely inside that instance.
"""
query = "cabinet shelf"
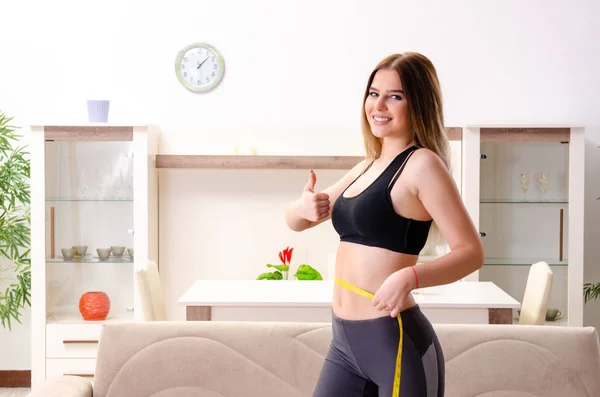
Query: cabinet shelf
(523, 261)
(519, 201)
(90, 199)
(70, 315)
(91, 259)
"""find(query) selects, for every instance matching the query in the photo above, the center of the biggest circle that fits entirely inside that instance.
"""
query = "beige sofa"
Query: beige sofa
(239, 359)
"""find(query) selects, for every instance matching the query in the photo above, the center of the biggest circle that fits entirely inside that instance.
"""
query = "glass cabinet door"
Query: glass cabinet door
(524, 210)
(89, 230)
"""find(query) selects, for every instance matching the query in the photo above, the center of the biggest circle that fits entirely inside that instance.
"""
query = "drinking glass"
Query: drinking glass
(544, 180)
(524, 184)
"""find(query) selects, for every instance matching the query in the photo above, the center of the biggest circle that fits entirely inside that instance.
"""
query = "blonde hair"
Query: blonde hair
(425, 112)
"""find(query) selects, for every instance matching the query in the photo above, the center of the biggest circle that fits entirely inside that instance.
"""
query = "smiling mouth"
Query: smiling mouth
(381, 119)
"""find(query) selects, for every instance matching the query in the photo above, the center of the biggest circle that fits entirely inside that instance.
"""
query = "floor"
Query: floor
(8, 392)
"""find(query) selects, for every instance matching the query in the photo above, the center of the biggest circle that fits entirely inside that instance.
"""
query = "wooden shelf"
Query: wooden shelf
(261, 162)
(270, 162)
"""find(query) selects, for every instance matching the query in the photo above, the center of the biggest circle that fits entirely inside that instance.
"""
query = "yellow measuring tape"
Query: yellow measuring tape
(367, 294)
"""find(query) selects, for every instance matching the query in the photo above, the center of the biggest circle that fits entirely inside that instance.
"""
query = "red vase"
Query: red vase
(94, 305)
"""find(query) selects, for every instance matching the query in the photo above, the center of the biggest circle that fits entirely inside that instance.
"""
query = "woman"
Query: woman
(384, 209)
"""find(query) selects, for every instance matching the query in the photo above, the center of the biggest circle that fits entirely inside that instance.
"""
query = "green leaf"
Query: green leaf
(306, 272)
(591, 291)
(276, 275)
(282, 268)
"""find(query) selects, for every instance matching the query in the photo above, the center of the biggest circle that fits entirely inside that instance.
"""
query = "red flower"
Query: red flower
(286, 256)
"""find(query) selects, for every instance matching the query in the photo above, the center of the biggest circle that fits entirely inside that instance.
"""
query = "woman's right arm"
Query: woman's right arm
(312, 209)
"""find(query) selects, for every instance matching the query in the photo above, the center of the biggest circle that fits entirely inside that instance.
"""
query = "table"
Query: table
(464, 302)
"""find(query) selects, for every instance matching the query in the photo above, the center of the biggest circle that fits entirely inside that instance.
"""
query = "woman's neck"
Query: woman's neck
(392, 147)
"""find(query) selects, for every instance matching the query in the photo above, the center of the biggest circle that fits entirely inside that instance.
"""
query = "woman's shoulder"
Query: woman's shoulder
(424, 156)
(423, 162)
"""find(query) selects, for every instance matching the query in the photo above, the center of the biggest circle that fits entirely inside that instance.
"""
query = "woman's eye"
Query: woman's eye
(373, 94)
(398, 97)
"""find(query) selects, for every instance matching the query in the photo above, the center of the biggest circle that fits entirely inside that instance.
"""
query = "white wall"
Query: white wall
(295, 74)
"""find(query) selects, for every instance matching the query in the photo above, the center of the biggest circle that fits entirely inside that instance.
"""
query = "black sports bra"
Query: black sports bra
(369, 217)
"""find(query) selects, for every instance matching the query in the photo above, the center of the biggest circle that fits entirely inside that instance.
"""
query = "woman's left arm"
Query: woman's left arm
(437, 191)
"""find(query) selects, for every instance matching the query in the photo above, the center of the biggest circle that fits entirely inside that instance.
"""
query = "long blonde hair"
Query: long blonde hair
(425, 112)
(424, 98)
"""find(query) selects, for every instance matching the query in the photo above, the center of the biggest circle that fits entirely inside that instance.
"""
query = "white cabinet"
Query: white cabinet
(524, 188)
(83, 367)
(72, 340)
(92, 186)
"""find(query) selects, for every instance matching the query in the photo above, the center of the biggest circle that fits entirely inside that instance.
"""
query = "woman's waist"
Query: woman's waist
(368, 267)
(357, 279)
(352, 305)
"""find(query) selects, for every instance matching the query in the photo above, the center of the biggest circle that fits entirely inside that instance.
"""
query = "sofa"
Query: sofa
(266, 359)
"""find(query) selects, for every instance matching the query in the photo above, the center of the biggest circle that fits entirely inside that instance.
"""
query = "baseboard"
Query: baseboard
(15, 378)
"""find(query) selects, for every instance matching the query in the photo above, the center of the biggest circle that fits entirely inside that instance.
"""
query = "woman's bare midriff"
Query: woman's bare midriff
(367, 268)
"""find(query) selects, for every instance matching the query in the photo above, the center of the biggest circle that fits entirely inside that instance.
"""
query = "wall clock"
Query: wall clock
(199, 67)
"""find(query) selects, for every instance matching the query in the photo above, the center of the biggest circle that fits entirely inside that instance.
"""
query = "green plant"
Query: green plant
(591, 291)
(304, 272)
(15, 264)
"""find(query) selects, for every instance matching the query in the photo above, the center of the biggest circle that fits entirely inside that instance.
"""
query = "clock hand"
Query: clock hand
(202, 63)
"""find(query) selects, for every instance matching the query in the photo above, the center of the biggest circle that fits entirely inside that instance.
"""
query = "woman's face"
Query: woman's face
(385, 106)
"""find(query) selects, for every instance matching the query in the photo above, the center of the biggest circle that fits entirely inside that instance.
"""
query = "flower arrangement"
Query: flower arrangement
(304, 272)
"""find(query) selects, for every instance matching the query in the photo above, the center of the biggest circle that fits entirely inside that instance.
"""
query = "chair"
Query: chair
(151, 301)
(537, 293)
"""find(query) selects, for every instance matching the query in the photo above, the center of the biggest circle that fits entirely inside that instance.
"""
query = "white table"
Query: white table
(466, 302)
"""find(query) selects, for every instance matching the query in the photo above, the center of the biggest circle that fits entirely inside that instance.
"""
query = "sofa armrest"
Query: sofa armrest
(63, 386)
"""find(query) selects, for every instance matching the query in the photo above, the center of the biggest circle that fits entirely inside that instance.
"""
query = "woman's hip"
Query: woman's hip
(389, 351)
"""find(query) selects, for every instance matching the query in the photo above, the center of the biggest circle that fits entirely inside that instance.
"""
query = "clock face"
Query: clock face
(199, 67)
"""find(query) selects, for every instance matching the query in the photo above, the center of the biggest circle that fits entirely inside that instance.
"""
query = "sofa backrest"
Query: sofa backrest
(520, 360)
(232, 359)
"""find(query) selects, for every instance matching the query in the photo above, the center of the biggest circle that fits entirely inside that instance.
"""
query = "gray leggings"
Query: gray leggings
(362, 358)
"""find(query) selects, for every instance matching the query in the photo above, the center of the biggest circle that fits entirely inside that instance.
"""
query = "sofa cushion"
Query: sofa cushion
(66, 385)
(266, 359)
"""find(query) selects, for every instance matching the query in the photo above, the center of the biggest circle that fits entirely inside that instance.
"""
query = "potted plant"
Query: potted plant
(304, 272)
(15, 264)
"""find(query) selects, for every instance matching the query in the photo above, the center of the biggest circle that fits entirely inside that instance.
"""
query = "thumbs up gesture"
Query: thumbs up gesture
(313, 206)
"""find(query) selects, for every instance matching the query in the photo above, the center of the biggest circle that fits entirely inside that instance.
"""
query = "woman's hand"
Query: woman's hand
(393, 294)
(313, 206)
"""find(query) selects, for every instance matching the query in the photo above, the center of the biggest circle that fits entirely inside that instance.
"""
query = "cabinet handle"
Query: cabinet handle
(483, 156)
(52, 232)
(69, 342)
(560, 236)
(82, 375)
(482, 234)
